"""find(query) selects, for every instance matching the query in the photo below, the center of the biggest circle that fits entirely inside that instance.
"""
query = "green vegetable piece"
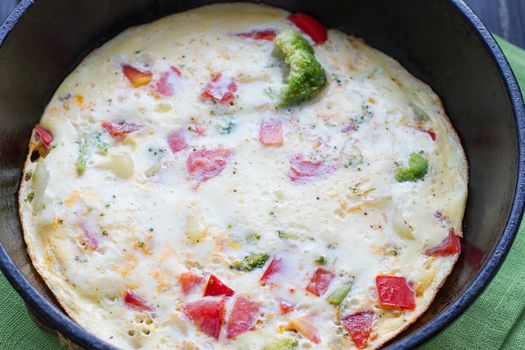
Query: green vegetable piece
(306, 77)
(251, 262)
(82, 158)
(282, 344)
(252, 237)
(338, 295)
(286, 235)
(225, 127)
(30, 196)
(417, 169)
(321, 260)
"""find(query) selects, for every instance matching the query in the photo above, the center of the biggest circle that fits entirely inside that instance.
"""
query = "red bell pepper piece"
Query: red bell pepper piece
(267, 35)
(45, 136)
(204, 164)
(275, 266)
(451, 245)
(168, 82)
(310, 26)
(285, 306)
(215, 287)
(320, 281)
(394, 292)
(135, 302)
(243, 317)
(119, 129)
(359, 327)
(430, 133)
(188, 281)
(136, 77)
(220, 89)
(207, 314)
(303, 170)
(271, 133)
(177, 141)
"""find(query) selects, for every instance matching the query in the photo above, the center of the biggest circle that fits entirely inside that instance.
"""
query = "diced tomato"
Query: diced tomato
(303, 170)
(320, 281)
(215, 287)
(204, 164)
(305, 326)
(91, 241)
(271, 133)
(136, 77)
(188, 281)
(243, 317)
(220, 89)
(275, 266)
(168, 82)
(177, 141)
(451, 245)
(207, 314)
(310, 26)
(119, 129)
(285, 306)
(394, 292)
(359, 326)
(135, 302)
(197, 129)
(267, 35)
(45, 136)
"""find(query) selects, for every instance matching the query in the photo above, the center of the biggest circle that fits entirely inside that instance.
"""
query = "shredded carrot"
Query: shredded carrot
(79, 99)
(75, 196)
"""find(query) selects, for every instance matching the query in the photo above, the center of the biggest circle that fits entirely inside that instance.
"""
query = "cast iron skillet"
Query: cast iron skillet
(440, 41)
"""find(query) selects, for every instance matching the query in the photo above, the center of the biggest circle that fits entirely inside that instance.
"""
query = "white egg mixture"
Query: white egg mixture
(173, 206)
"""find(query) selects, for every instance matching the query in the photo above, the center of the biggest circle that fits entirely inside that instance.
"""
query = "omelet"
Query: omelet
(239, 177)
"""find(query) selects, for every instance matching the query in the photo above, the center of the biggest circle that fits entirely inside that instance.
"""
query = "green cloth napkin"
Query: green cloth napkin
(495, 321)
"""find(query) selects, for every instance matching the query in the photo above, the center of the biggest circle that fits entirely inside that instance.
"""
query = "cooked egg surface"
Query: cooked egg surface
(173, 206)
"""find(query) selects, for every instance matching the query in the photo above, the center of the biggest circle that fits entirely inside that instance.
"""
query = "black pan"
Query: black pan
(440, 41)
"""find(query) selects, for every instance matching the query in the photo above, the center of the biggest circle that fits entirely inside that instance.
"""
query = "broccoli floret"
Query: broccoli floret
(321, 260)
(417, 169)
(251, 262)
(306, 77)
(282, 344)
(289, 42)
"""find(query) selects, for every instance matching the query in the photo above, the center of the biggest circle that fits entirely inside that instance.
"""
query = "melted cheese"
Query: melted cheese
(134, 220)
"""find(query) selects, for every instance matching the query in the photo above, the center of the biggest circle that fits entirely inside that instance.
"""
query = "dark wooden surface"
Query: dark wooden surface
(504, 17)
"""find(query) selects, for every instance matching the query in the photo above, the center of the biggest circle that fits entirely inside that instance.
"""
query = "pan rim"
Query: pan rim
(494, 262)
(57, 319)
